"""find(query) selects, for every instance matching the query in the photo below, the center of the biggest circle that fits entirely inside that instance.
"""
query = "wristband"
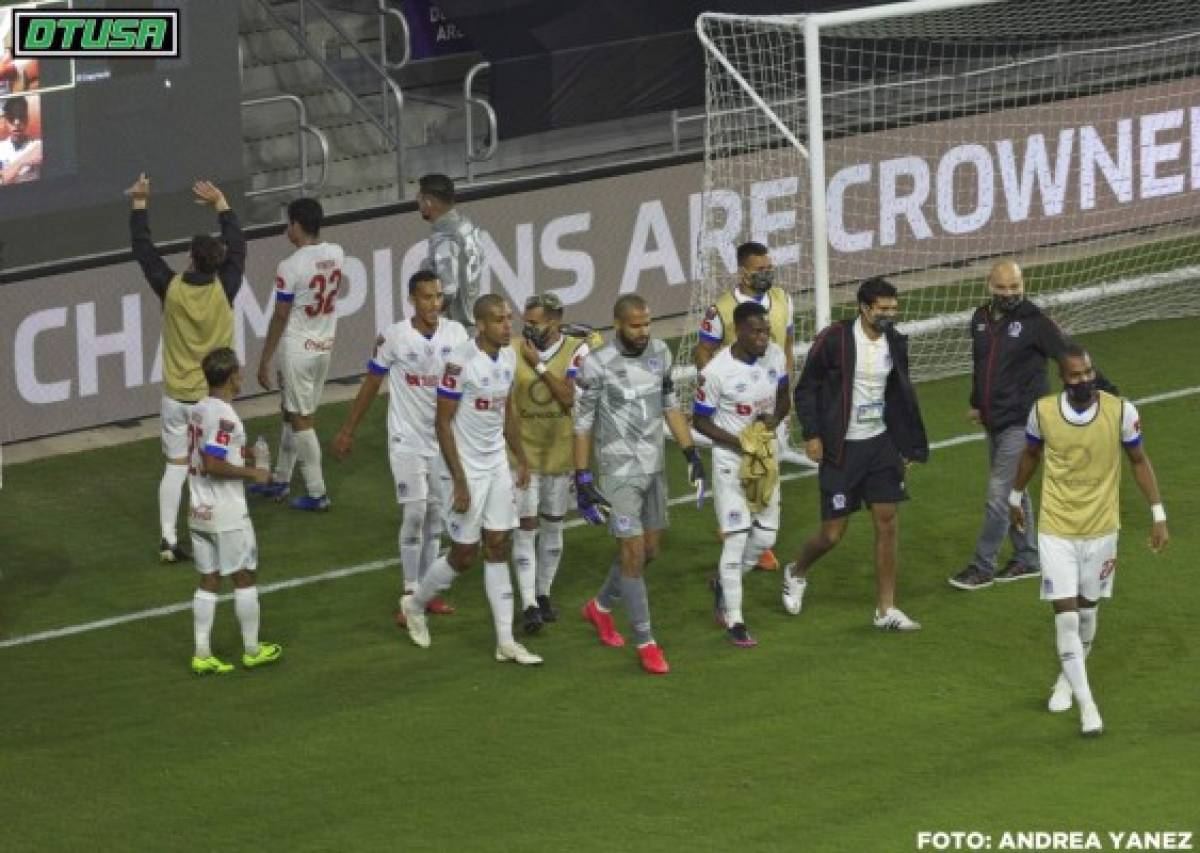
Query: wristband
(1015, 498)
(540, 368)
(1158, 513)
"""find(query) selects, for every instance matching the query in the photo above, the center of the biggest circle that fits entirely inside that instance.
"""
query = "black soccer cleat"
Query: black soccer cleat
(533, 619)
(549, 614)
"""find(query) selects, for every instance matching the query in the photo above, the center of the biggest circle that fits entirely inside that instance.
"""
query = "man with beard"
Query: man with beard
(625, 392)
(1011, 339)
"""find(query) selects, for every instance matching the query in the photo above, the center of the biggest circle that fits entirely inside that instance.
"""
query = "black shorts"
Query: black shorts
(871, 472)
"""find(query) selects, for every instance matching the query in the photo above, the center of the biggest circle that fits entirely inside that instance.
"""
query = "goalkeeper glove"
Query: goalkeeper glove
(593, 506)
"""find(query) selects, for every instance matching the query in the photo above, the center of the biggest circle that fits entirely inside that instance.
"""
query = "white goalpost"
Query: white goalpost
(923, 141)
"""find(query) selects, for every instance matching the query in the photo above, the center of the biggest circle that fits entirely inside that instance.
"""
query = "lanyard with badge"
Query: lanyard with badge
(871, 414)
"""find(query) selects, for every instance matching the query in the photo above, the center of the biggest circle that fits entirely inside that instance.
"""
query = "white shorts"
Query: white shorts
(548, 494)
(226, 552)
(416, 477)
(733, 512)
(1077, 567)
(493, 505)
(174, 416)
(302, 380)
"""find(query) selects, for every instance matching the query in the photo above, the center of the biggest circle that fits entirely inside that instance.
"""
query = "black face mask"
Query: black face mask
(1080, 393)
(536, 336)
(1004, 304)
(884, 323)
(761, 281)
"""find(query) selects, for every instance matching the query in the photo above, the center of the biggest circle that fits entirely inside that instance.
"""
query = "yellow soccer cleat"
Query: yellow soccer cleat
(210, 665)
(267, 653)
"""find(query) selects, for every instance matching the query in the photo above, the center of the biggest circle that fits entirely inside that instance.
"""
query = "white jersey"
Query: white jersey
(414, 364)
(481, 384)
(872, 365)
(734, 394)
(216, 503)
(310, 279)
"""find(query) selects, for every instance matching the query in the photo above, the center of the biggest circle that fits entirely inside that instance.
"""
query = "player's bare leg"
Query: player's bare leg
(887, 543)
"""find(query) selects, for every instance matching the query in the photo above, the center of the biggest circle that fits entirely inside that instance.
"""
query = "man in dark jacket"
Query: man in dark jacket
(862, 425)
(1010, 341)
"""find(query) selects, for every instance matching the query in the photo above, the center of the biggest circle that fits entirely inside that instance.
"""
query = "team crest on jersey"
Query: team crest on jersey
(838, 501)
(734, 516)
(653, 365)
(772, 374)
(446, 351)
(1014, 331)
(624, 523)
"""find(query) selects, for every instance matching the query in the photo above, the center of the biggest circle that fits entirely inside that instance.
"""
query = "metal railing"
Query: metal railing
(303, 128)
(389, 90)
(474, 156)
(385, 12)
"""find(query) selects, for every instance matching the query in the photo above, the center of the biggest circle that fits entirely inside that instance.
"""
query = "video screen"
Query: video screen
(75, 132)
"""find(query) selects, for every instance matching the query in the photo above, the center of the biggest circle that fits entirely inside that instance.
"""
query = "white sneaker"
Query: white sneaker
(1090, 723)
(414, 617)
(793, 590)
(1060, 697)
(517, 653)
(895, 620)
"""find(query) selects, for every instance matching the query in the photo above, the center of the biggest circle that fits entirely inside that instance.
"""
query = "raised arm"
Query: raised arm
(154, 268)
(233, 268)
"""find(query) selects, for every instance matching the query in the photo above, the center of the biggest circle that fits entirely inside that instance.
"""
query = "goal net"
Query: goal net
(950, 135)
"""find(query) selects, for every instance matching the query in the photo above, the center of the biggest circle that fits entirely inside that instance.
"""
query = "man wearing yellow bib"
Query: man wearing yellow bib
(1079, 432)
(197, 319)
(544, 394)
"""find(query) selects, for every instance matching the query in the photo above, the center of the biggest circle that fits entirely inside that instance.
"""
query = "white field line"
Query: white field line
(376, 565)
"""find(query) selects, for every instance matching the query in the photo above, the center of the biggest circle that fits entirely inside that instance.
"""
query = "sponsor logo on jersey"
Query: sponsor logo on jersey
(744, 409)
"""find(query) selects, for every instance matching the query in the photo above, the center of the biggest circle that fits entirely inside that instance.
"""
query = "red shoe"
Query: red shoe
(439, 606)
(652, 659)
(604, 624)
(767, 562)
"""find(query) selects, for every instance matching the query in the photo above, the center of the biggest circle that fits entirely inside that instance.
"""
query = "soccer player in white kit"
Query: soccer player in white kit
(305, 319)
(743, 383)
(412, 355)
(223, 543)
(1081, 432)
(475, 419)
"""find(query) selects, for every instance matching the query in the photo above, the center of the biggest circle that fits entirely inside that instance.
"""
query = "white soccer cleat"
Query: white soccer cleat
(793, 590)
(894, 619)
(516, 653)
(1060, 697)
(1090, 723)
(414, 617)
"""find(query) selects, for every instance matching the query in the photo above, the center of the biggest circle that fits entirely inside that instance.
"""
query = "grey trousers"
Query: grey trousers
(1004, 454)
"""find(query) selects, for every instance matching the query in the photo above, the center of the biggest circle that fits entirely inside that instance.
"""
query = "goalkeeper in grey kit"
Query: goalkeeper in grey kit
(626, 391)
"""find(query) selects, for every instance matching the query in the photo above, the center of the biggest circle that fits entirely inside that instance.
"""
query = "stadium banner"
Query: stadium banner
(83, 347)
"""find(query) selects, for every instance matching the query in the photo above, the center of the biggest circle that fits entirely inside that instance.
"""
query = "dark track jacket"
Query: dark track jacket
(824, 395)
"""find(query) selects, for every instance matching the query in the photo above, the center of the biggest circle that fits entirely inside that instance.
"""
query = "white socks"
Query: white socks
(286, 463)
(412, 543)
(245, 605)
(1070, 653)
(204, 612)
(1087, 627)
(500, 597)
(170, 493)
(308, 453)
(431, 535)
(438, 577)
(523, 554)
(549, 553)
(732, 549)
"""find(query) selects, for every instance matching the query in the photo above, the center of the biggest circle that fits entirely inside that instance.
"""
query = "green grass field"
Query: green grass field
(829, 736)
